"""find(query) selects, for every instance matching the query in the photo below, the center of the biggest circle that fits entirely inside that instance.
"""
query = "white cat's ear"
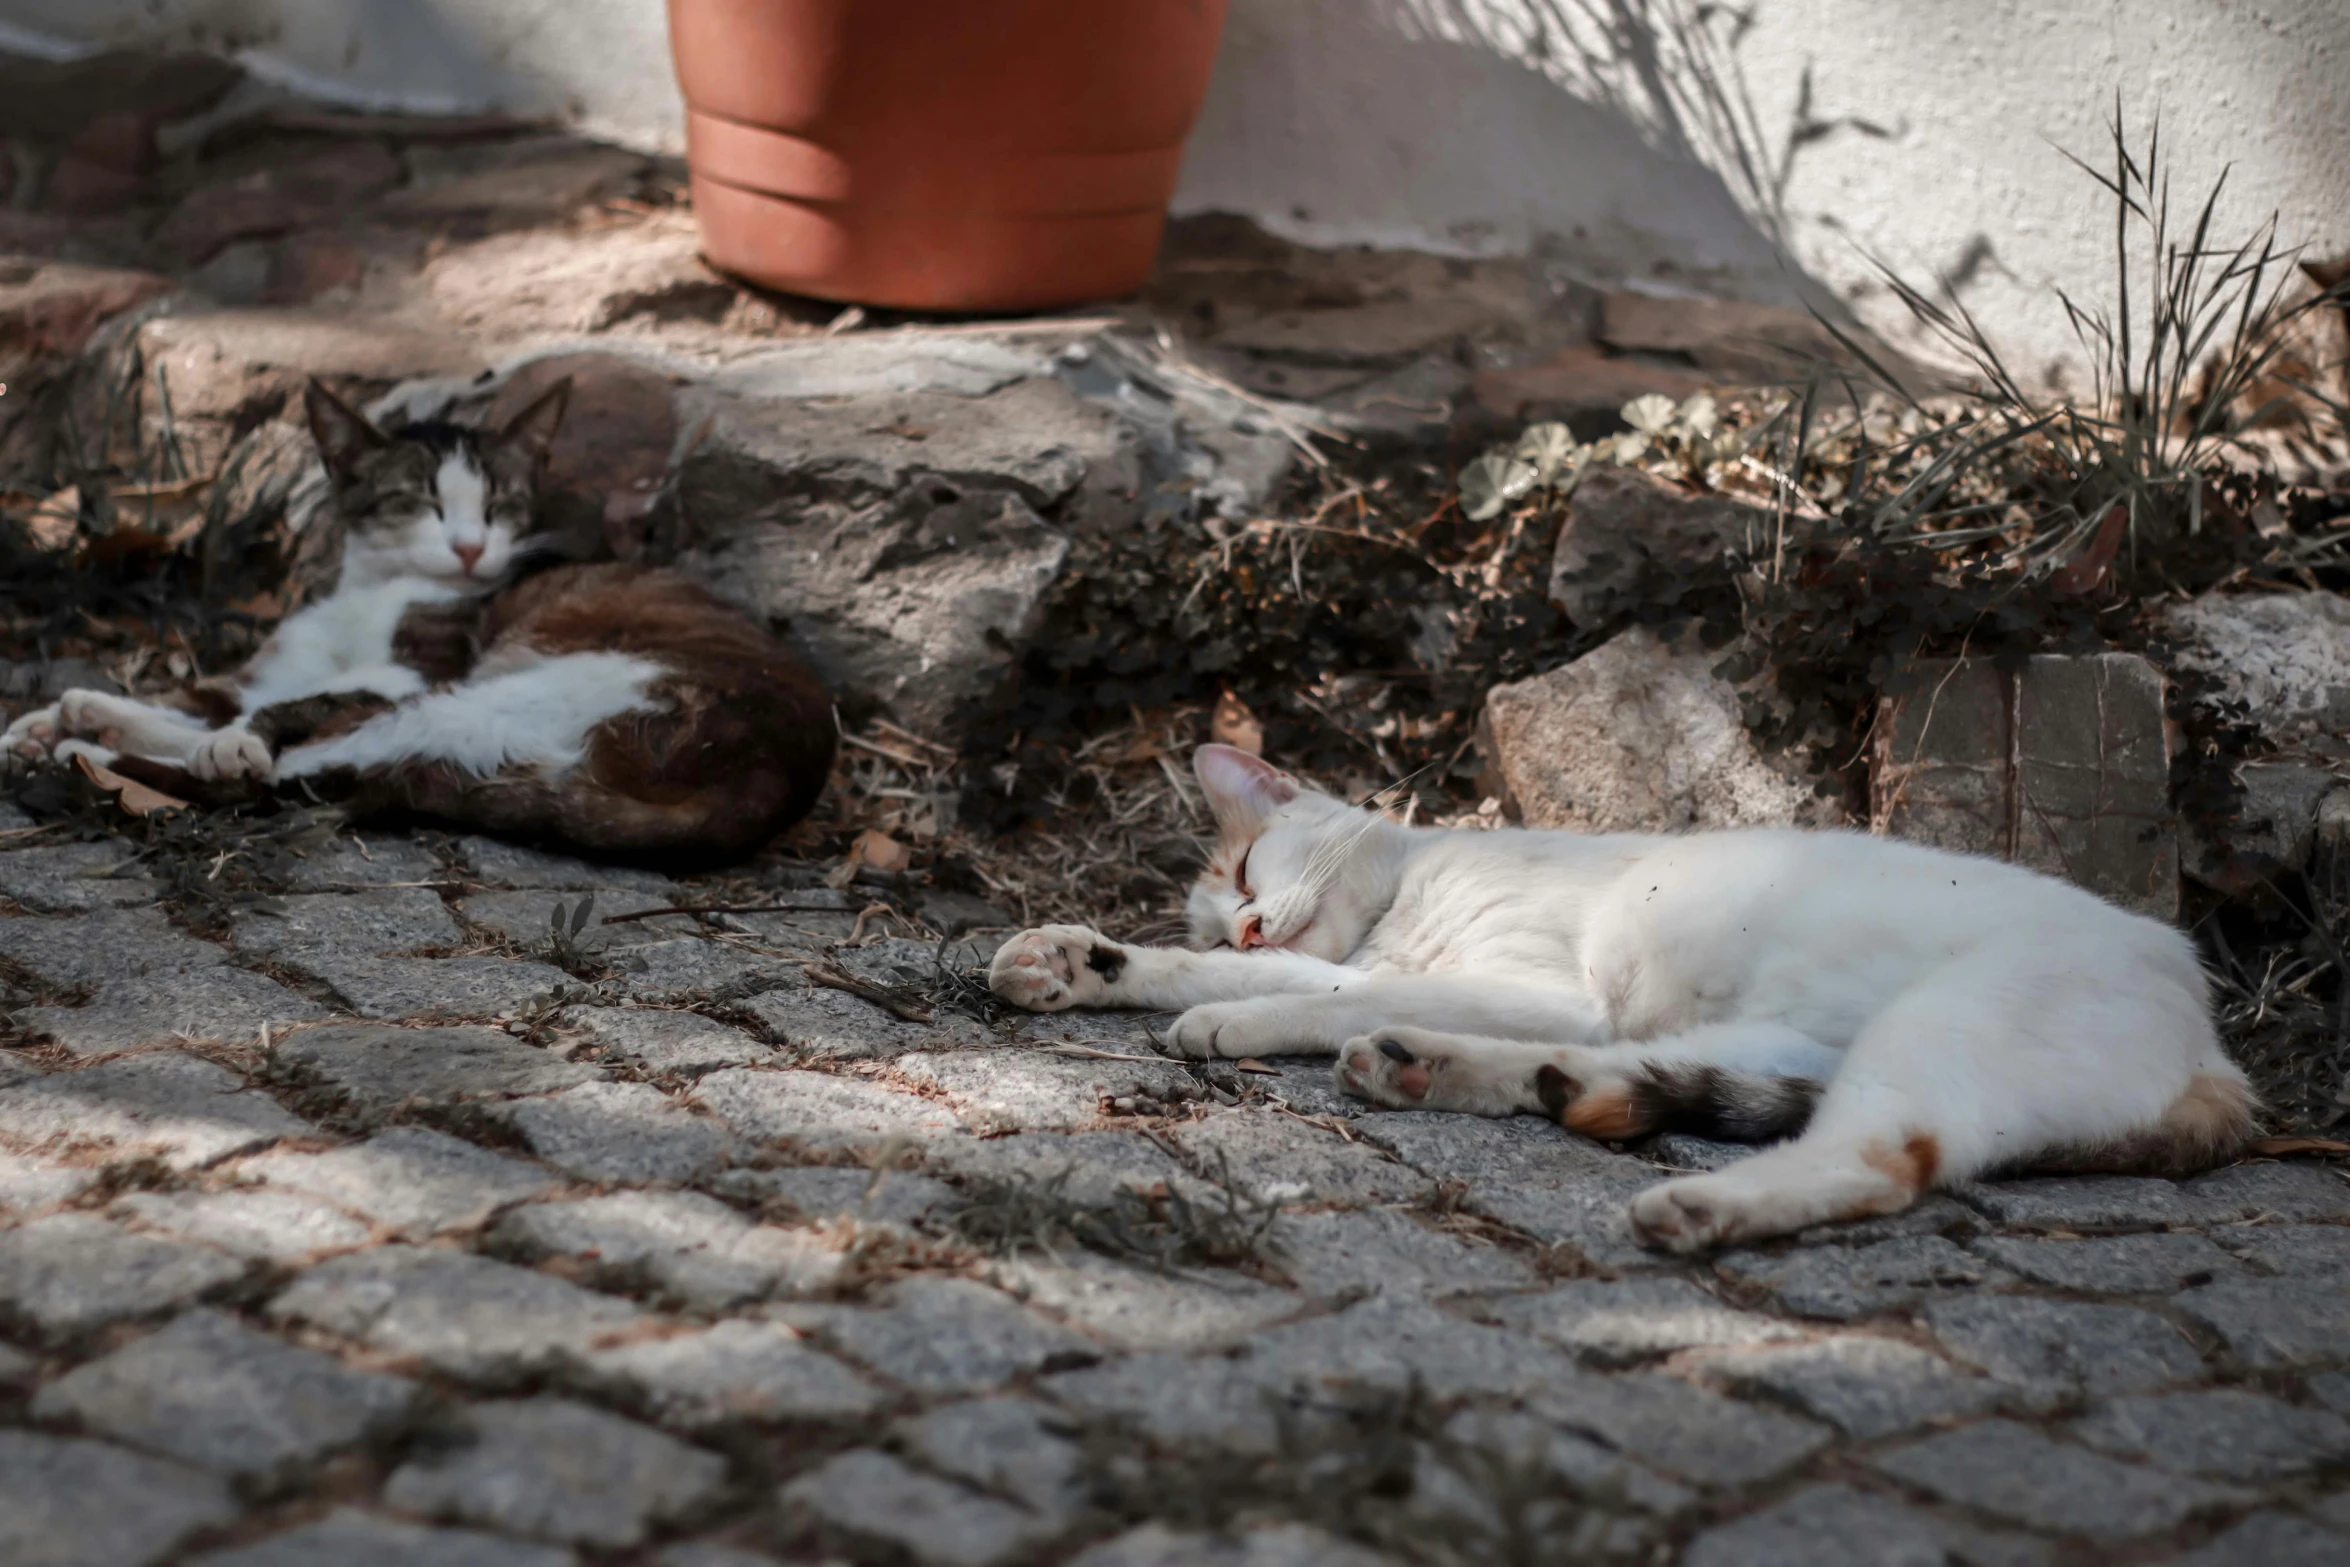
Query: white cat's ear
(1242, 789)
(342, 432)
(532, 431)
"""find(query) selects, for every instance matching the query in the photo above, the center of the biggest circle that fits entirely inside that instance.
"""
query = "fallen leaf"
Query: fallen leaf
(1234, 725)
(2086, 571)
(135, 798)
(2276, 1147)
(56, 520)
(881, 851)
(1252, 1064)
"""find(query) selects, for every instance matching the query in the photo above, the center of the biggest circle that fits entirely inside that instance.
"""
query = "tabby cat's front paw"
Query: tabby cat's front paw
(1056, 966)
(235, 752)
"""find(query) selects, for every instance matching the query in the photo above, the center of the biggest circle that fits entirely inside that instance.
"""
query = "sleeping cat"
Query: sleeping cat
(616, 710)
(1918, 1016)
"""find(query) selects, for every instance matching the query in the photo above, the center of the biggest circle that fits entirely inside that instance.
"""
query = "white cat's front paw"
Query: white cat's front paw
(1056, 966)
(1230, 1030)
(32, 737)
(90, 714)
(1696, 1213)
(235, 752)
(1389, 1067)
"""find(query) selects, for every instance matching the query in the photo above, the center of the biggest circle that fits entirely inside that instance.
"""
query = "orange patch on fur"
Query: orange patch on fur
(2209, 1122)
(1911, 1167)
(1609, 1115)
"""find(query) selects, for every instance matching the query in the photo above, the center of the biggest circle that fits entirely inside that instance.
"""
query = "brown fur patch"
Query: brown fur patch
(1611, 1115)
(322, 717)
(2208, 1124)
(1911, 1167)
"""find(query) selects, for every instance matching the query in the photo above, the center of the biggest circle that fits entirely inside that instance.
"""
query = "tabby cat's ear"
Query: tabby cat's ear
(1242, 789)
(343, 434)
(532, 431)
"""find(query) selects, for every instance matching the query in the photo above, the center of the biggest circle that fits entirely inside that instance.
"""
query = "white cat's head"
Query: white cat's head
(433, 499)
(1286, 868)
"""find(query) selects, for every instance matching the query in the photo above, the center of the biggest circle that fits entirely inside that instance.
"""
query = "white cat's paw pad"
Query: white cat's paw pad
(1683, 1216)
(1390, 1067)
(88, 713)
(230, 754)
(32, 737)
(1055, 966)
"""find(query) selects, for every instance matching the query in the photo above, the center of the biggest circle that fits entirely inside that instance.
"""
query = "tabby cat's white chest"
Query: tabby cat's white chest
(344, 642)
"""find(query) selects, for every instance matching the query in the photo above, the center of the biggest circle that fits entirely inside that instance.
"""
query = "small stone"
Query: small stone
(71, 1503)
(1277, 1158)
(823, 1194)
(346, 864)
(502, 864)
(2309, 1250)
(2269, 1540)
(2055, 1350)
(429, 987)
(1865, 1387)
(2297, 1192)
(211, 1392)
(2222, 1433)
(2274, 1322)
(180, 1109)
(1842, 1283)
(943, 1335)
(69, 878)
(692, 1247)
(380, 1069)
(1369, 1250)
(264, 1226)
(2114, 1264)
(1029, 1091)
(345, 1538)
(1015, 1447)
(216, 1002)
(72, 1272)
(28, 1185)
(2080, 1203)
(737, 1371)
(816, 1111)
(1622, 1322)
(621, 1133)
(2015, 1473)
(416, 1181)
(1269, 1545)
(558, 1470)
(1837, 1526)
(1134, 1308)
(823, 1024)
(659, 1042)
(873, 1496)
(1682, 1430)
(369, 924)
(468, 1316)
(113, 946)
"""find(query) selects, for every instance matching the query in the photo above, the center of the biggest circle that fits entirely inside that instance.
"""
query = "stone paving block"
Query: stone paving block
(28, 1185)
(2310, 1250)
(1621, 1322)
(1026, 1090)
(1682, 1430)
(357, 924)
(737, 1370)
(71, 878)
(428, 987)
(1278, 1158)
(73, 1503)
(2332, 1389)
(2054, 1350)
(699, 1553)
(348, 1538)
(2013, 1472)
(2112, 1264)
(558, 1470)
(2084, 1203)
(1837, 1526)
(2297, 1192)
(1212, 1404)
(943, 1335)
(622, 1133)
(819, 1023)
(1388, 1342)
(1373, 1249)
(822, 1194)
(180, 1109)
(1089, 1167)
(872, 1496)
(209, 1391)
(1136, 1308)
(1528, 1174)
(96, 949)
(1865, 1387)
(819, 1112)
(1583, 1468)
(1014, 1447)
(498, 864)
(263, 1225)
(1305, 1084)
(342, 864)
(691, 1247)
(15, 1069)
(691, 968)
(379, 1068)
(72, 1272)
(523, 917)
(2220, 1433)
(2275, 1322)
(2269, 1540)
(1841, 1283)
(664, 1042)
(468, 1316)
(1269, 1545)
(411, 1179)
(1931, 1214)
(215, 1002)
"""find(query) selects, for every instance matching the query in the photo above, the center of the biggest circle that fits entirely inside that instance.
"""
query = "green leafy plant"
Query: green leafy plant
(569, 946)
(1687, 439)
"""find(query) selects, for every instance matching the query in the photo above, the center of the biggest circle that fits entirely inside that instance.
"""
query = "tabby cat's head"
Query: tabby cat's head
(432, 499)
(1289, 867)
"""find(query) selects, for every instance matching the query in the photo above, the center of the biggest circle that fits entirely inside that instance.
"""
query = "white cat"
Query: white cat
(1949, 1015)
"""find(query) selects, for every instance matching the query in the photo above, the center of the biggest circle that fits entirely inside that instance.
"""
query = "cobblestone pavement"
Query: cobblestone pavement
(444, 1266)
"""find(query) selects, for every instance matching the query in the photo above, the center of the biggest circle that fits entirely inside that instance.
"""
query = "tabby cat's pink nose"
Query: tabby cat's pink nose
(466, 555)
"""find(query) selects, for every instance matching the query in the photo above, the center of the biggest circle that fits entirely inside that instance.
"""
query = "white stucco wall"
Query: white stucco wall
(1924, 131)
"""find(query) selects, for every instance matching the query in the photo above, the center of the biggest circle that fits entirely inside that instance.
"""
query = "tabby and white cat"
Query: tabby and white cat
(617, 710)
(1918, 1016)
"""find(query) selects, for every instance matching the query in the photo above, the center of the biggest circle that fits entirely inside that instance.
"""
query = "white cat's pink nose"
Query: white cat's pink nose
(467, 555)
(1252, 933)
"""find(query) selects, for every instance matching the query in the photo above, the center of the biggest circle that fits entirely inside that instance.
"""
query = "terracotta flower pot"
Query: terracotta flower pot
(939, 154)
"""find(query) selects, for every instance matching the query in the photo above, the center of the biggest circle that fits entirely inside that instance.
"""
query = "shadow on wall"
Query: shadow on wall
(1619, 132)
